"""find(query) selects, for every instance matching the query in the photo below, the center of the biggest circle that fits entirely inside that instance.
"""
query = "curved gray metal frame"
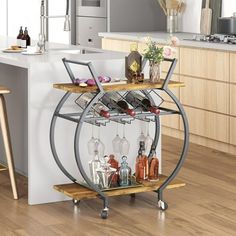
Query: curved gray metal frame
(52, 138)
(81, 120)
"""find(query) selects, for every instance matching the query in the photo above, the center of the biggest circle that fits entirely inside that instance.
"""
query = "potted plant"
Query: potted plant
(156, 54)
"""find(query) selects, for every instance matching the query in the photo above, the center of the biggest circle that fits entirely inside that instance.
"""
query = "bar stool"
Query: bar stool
(7, 141)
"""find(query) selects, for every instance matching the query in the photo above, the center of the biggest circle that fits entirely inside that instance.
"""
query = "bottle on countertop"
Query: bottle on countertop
(114, 101)
(133, 63)
(137, 100)
(19, 37)
(25, 40)
(142, 165)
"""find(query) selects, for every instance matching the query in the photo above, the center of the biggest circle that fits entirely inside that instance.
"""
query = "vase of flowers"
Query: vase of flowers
(155, 55)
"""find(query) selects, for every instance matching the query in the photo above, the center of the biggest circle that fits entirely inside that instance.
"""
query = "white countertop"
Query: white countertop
(55, 53)
(163, 37)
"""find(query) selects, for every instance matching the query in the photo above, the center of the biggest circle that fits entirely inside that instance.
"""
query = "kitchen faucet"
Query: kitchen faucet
(43, 35)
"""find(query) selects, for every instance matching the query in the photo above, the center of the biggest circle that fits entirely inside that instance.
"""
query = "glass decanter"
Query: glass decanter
(124, 173)
(93, 166)
(105, 173)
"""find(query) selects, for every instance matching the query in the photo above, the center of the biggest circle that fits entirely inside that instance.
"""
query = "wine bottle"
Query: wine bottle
(114, 101)
(133, 62)
(19, 37)
(154, 168)
(98, 108)
(25, 40)
(137, 100)
(142, 165)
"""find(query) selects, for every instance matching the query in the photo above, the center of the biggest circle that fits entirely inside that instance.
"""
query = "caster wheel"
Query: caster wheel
(104, 214)
(132, 195)
(76, 202)
(162, 205)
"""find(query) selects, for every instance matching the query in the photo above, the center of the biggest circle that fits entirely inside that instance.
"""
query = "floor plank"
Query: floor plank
(205, 206)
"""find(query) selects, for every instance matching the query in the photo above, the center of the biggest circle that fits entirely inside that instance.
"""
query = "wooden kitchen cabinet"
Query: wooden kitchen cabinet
(116, 45)
(233, 67)
(208, 124)
(233, 99)
(204, 63)
(233, 130)
(205, 94)
(171, 121)
(124, 46)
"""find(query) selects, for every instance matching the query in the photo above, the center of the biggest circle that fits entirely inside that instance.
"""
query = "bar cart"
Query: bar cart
(77, 190)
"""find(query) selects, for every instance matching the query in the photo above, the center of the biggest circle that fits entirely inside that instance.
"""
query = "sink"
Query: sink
(75, 51)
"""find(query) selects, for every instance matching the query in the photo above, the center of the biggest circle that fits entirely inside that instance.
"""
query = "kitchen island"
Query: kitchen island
(209, 73)
(30, 109)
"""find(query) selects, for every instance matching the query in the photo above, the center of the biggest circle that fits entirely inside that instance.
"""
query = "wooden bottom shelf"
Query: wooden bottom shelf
(2, 167)
(78, 192)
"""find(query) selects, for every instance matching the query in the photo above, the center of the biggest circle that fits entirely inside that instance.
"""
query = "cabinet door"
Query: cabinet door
(233, 130)
(232, 99)
(232, 67)
(208, 124)
(171, 121)
(202, 63)
(116, 45)
(205, 94)
(175, 91)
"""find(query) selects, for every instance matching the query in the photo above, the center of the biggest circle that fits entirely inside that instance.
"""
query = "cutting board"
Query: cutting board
(206, 18)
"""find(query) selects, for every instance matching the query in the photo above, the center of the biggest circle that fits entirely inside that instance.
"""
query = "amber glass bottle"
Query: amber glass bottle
(142, 165)
(114, 164)
(133, 63)
(154, 168)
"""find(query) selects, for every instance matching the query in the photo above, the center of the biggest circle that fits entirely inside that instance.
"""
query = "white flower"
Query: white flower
(146, 39)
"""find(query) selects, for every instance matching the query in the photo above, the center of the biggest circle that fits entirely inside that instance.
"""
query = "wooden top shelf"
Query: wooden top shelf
(69, 87)
(79, 192)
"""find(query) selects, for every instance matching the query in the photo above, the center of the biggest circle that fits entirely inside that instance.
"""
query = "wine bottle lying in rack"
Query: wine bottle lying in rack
(114, 101)
(137, 100)
(98, 108)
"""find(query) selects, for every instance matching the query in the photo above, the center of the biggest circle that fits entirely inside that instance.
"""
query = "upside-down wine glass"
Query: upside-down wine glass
(124, 144)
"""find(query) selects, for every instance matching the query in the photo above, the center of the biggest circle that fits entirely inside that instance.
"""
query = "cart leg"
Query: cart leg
(162, 205)
(132, 195)
(104, 212)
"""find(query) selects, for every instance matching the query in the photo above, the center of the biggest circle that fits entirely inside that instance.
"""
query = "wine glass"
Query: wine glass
(141, 137)
(124, 144)
(92, 143)
(100, 145)
(148, 140)
(116, 141)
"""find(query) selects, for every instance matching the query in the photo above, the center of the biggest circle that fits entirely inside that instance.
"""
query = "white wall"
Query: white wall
(3, 22)
(229, 7)
(27, 13)
(191, 16)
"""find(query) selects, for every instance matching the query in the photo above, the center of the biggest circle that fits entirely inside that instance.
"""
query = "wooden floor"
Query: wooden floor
(206, 206)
